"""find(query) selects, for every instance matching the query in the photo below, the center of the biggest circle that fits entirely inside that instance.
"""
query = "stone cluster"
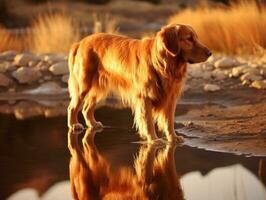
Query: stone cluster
(218, 69)
(26, 69)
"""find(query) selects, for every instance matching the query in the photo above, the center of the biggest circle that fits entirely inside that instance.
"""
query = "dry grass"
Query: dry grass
(104, 23)
(53, 33)
(240, 29)
(9, 41)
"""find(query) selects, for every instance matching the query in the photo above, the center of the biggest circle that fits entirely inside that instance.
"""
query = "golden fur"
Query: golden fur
(153, 176)
(147, 74)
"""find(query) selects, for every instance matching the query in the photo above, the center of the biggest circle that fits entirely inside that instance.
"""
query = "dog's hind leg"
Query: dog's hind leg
(73, 109)
(88, 111)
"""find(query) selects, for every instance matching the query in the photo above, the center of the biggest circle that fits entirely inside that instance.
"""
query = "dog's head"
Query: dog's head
(180, 40)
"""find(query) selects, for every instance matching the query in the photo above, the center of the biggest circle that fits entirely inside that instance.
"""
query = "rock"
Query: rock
(263, 72)
(237, 71)
(42, 66)
(195, 71)
(24, 58)
(33, 63)
(59, 68)
(24, 110)
(211, 87)
(259, 84)
(206, 75)
(218, 74)
(26, 75)
(3, 67)
(226, 62)
(207, 66)
(4, 80)
(53, 58)
(8, 55)
(250, 77)
(251, 70)
(245, 82)
(47, 88)
(65, 78)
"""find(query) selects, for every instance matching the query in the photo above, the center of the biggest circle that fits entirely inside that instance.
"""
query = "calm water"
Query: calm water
(35, 164)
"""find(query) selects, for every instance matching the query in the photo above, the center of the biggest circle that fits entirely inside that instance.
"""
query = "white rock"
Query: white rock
(211, 87)
(47, 88)
(250, 77)
(226, 62)
(207, 66)
(59, 68)
(4, 80)
(53, 58)
(24, 58)
(65, 78)
(26, 75)
(259, 84)
(237, 71)
(218, 74)
(195, 71)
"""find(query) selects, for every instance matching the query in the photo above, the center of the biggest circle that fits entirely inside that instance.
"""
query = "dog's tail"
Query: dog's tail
(72, 81)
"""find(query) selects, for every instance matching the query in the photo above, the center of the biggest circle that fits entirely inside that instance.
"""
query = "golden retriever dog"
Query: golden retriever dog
(152, 177)
(147, 74)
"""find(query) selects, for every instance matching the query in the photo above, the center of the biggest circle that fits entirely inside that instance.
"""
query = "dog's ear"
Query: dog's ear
(169, 39)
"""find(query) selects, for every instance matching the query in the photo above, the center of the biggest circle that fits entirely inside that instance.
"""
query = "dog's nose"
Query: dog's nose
(209, 53)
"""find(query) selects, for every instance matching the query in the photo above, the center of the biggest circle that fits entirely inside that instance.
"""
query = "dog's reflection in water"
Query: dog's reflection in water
(154, 176)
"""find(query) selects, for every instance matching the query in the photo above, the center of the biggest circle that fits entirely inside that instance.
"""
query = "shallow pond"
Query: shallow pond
(35, 164)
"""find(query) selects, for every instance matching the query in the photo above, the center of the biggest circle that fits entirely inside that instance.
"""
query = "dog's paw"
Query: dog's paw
(176, 138)
(95, 125)
(157, 141)
(77, 127)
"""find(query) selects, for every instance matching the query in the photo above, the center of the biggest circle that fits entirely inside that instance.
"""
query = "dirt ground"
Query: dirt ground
(230, 120)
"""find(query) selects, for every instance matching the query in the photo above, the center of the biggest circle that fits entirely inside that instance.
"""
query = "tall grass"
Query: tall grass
(9, 41)
(53, 33)
(238, 29)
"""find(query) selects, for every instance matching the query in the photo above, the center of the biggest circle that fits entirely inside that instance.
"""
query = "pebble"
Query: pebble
(24, 58)
(261, 84)
(226, 62)
(211, 87)
(249, 76)
(218, 74)
(65, 78)
(4, 80)
(26, 75)
(59, 68)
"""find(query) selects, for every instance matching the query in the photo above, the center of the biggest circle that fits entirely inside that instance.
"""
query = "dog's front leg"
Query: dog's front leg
(143, 119)
(165, 122)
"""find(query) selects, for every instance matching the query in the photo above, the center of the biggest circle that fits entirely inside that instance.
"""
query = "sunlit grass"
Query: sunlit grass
(239, 29)
(10, 41)
(53, 33)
